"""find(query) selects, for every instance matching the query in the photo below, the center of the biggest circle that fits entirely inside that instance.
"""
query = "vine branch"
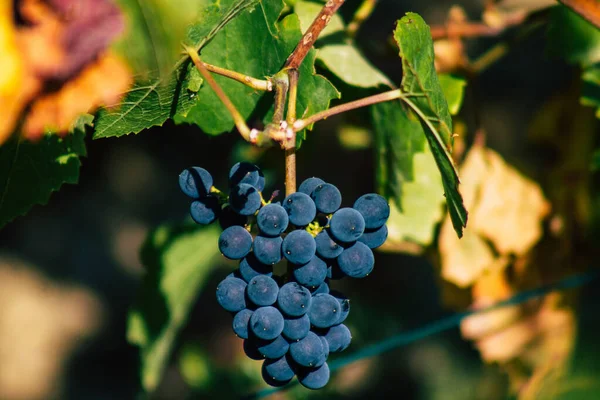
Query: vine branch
(239, 120)
(256, 84)
(310, 37)
(290, 145)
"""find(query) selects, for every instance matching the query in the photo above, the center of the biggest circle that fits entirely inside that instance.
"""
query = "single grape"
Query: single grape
(374, 209)
(347, 225)
(299, 247)
(195, 182)
(266, 323)
(235, 242)
(296, 328)
(205, 210)
(275, 348)
(326, 246)
(300, 208)
(338, 337)
(251, 349)
(327, 198)
(324, 310)
(357, 261)
(244, 199)
(307, 352)
(231, 294)
(262, 290)
(251, 267)
(322, 288)
(268, 249)
(375, 238)
(245, 172)
(277, 372)
(293, 299)
(240, 323)
(309, 185)
(314, 378)
(272, 220)
(311, 274)
(344, 305)
(229, 218)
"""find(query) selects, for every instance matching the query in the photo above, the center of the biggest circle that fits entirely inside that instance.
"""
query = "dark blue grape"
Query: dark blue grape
(262, 290)
(277, 372)
(338, 337)
(251, 267)
(374, 209)
(245, 172)
(240, 323)
(244, 199)
(268, 249)
(205, 210)
(195, 182)
(296, 328)
(275, 348)
(235, 242)
(272, 220)
(326, 246)
(344, 305)
(293, 299)
(356, 261)
(299, 247)
(314, 378)
(230, 218)
(324, 310)
(251, 349)
(311, 274)
(322, 288)
(266, 323)
(327, 198)
(346, 225)
(231, 294)
(310, 184)
(307, 352)
(300, 208)
(376, 238)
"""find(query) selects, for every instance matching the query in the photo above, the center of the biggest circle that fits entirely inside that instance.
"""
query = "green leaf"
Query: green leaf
(348, 64)
(262, 55)
(595, 164)
(178, 262)
(30, 172)
(420, 79)
(454, 91)
(151, 101)
(590, 93)
(572, 37)
(308, 10)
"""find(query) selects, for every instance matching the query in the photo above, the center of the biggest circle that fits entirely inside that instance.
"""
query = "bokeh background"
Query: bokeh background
(69, 271)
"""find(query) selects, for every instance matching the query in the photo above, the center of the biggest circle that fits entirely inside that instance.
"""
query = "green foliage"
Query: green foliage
(453, 88)
(347, 63)
(308, 10)
(420, 79)
(30, 172)
(178, 261)
(151, 101)
(573, 38)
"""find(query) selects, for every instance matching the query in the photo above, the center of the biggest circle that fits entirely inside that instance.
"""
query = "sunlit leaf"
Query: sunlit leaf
(454, 90)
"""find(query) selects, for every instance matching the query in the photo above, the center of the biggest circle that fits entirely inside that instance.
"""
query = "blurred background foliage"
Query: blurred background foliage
(108, 290)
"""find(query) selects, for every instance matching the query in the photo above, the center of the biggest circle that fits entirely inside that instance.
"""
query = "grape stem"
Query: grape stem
(256, 84)
(290, 143)
(312, 33)
(240, 122)
(363, 12)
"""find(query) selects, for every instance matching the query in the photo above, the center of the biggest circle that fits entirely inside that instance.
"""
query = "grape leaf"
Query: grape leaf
(454, 91)
(152, 101)
(348, 64)
(178, 261)
(420, 79)
(30, 172)
(262, 55)
(573, 38)
(308, 10)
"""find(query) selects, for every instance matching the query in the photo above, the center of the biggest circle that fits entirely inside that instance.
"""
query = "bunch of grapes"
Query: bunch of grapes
(294, 321)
